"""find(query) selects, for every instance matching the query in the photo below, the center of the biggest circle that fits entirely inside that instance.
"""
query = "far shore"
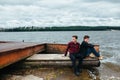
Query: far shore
(64, 28)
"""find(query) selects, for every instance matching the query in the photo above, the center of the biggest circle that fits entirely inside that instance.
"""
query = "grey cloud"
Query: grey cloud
(17, 2)
(35, 2)
(111, 1)
(43, 12)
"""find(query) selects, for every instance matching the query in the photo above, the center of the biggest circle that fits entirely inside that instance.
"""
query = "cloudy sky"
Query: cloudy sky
(15, 13)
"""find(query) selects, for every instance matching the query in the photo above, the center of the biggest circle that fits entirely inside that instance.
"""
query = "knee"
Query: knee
(81, 59)
(72, 57)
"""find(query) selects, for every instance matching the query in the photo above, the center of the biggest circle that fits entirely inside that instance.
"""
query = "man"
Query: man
(86, 48)
(73, 49)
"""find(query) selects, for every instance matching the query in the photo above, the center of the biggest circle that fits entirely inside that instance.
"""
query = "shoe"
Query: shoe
(80, 70)
(100, 58)
(77, 73)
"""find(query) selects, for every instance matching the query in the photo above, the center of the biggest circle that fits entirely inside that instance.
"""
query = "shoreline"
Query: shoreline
(59, 73)
(61, 28)
(62, 31)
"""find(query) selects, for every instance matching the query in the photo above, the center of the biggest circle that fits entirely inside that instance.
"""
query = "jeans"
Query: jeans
(92, 50)
(74, 57)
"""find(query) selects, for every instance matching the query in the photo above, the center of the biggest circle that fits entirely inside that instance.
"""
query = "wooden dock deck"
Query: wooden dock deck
(57, 59)
(49, 54)
(11, 52)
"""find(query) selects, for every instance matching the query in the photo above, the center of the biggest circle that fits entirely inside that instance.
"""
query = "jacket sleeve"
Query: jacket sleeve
(67, 49)
(79, 47)
(87, 44)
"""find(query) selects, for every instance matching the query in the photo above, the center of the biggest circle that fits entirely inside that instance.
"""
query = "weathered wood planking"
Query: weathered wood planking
(14, 52)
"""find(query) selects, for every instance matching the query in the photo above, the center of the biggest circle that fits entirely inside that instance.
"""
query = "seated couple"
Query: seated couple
(77, 51)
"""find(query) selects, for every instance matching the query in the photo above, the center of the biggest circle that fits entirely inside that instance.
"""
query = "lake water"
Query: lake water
(108, 41)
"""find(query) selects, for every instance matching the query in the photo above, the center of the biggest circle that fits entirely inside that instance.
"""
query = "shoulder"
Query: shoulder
(83, 43)
(78, 43)
(70, 42)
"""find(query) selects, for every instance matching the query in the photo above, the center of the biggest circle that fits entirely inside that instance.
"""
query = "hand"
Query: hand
(63, 56)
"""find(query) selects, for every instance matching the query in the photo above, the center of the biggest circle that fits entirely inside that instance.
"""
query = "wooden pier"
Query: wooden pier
(54, 55)
(11, 52)
(49, 54)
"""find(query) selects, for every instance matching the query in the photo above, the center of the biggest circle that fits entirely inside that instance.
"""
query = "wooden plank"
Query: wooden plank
(57, 60)
(14, 45)
(56, 48)
(48, 57)
(14, 52)
(61, 48)
(54, 57)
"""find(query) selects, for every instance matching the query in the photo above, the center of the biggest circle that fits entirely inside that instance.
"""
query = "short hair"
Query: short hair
(86, 36)
(75, 36)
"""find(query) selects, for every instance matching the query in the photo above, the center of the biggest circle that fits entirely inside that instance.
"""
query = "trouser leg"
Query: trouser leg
(92, 50)
(73, 59)
(80, 60)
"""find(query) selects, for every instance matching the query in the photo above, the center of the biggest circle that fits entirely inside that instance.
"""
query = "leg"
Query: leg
(80, 60)
(73, 59)
(92, 50)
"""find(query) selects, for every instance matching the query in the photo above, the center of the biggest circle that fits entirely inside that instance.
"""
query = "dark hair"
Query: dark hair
(86, 36)
(75, 36)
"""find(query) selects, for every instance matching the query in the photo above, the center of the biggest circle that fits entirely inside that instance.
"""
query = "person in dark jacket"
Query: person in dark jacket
(86, 48)
(73, 49)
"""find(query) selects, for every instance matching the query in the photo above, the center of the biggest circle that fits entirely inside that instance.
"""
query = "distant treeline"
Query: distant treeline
(68, 28)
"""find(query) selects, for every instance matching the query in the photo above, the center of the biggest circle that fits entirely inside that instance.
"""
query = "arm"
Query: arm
(90, 45)
(66, 50)
(79, 47)
(85, 44)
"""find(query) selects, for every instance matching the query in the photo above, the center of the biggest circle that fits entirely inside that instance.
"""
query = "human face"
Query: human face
(74, 39)
(86, 40)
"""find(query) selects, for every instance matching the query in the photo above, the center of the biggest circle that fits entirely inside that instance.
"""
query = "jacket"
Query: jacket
(84, 47)
(73, 48)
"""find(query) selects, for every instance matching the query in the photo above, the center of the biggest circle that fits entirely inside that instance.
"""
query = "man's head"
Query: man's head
(74, 38)
(86, 38)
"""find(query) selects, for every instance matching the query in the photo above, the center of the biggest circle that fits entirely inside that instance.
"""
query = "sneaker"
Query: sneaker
(77, 73)
(80, 70)
(100, 58)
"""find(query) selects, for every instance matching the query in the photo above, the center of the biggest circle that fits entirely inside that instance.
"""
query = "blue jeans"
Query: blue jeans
(92, 50)
(74, 57)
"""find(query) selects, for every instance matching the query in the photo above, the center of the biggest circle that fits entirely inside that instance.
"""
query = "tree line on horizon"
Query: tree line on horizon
(68, 28)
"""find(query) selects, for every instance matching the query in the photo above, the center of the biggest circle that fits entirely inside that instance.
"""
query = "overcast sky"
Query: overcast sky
(15, 13)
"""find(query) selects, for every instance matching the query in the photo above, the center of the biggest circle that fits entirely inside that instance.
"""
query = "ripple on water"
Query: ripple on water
(110, 78)
(109, 71)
